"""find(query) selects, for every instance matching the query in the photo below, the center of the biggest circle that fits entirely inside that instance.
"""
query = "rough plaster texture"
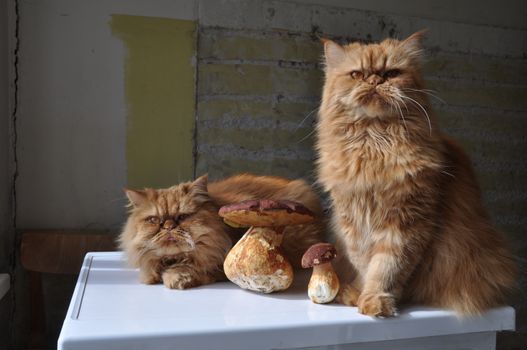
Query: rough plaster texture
(258, 87)
(470, 12)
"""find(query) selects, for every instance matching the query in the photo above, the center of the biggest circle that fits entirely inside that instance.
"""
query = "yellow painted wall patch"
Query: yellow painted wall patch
(160, 98)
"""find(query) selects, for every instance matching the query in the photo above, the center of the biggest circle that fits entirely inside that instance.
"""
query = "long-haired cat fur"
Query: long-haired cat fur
(176, 236)
(407, 212)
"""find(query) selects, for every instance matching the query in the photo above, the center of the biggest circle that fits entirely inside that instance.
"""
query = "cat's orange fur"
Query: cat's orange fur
(183, 252)
(407, 211)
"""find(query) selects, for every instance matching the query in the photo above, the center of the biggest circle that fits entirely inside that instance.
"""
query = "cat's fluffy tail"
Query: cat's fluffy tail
(487, 287)
(298, 238)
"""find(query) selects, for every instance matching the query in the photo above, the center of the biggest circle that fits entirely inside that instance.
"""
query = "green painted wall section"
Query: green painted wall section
(160, 98)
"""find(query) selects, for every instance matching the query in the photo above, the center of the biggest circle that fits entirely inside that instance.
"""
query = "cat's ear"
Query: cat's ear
(333, 52)
(135, 197)
(414, 43)
(200, 184)
(198, 188)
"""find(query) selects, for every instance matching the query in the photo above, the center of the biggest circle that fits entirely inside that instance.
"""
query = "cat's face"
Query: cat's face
(375, 80)
(170, 221)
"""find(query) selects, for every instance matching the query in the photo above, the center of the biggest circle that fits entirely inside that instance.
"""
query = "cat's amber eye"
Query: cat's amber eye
(357, 74)
(181, 217)
(153, 220)
(392, 73)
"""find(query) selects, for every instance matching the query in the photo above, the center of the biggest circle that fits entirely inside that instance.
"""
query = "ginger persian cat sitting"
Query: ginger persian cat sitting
(407, 211)
(176, 236)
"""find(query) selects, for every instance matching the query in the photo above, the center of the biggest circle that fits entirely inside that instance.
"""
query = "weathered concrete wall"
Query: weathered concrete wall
(6, 222)
(254, 91)
(5, 169)
(508, 13)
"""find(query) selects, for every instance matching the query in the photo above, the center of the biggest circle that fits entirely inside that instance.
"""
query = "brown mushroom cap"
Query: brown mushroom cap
(317, 254)
(266, 213)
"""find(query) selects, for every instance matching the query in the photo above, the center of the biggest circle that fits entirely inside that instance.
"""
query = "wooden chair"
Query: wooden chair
(55, 252)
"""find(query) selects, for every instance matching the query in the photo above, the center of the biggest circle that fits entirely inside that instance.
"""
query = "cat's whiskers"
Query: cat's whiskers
(353, 98)
(303, 120)
(180, 235)
(428, 92)
(396, 103)
(424, 111)
(160, 235)
(420, 106)
(391, 105)
(447, 173)
(305, 137)
(145, 249)
(186, 237)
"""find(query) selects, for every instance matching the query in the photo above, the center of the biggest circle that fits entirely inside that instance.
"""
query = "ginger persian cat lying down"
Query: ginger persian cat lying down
(407, 211)
(176, 236)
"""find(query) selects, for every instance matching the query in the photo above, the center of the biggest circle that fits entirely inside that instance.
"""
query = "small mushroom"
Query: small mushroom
(324, 283)
(256, 262)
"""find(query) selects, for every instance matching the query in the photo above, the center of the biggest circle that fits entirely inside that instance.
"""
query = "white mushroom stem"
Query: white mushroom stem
(324, 284)
(273, 235)
(256, 263)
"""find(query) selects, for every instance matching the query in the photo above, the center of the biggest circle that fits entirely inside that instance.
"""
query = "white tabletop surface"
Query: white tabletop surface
(110, 309)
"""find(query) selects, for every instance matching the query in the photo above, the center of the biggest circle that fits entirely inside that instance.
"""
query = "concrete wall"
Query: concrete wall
(258, 76)
(95, 111)
(73, 111)
(6, 227)
(5, 169)
(508, 13)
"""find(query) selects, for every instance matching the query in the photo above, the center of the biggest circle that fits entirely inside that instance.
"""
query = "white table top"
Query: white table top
(110, 309)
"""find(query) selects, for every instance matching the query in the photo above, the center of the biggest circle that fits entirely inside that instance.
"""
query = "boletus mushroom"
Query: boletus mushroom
(324, 283)
(256, 262)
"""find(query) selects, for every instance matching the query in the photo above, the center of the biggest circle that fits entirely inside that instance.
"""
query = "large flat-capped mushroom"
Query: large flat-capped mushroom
(324, 283)
(256, 262)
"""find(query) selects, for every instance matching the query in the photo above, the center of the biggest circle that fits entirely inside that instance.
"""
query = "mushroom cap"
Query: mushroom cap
(266, 213)
(317, 254)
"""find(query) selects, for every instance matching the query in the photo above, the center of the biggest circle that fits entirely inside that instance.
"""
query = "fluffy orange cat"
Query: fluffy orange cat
(407, 211)
(176, 236)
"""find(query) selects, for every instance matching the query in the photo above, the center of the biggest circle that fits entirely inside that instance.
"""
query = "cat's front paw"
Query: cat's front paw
(149, 278)
(377, 304)
(348, 295)
(179, 280)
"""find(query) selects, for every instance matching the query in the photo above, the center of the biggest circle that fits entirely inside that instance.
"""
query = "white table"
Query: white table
(110, 309)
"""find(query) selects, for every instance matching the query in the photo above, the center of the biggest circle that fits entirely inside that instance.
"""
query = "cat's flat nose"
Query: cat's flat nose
(374, 79)
(169, 224)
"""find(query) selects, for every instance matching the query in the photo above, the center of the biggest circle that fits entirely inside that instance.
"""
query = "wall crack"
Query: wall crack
(14, 143)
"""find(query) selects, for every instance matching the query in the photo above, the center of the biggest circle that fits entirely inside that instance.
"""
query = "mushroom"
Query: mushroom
(256, 262)
(324, 283)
